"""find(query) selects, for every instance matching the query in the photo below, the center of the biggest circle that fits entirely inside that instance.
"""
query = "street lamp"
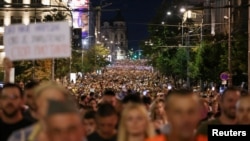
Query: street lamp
(182, 10)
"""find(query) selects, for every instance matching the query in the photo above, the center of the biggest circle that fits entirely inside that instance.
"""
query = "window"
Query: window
(1, 3)
(122, 36)
(16, 20)
(35, 20)
(1, 39)
(17, 2)
(1, 21)
(121, 43)
(35, 2)
(115, 36)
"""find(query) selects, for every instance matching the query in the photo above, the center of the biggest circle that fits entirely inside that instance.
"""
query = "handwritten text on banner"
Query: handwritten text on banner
(37, 41)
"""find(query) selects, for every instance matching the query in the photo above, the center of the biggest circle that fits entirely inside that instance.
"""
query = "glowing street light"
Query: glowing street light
(169, 13)
(182, 10)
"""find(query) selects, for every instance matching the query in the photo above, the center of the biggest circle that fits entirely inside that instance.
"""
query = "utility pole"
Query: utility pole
(98, 13)
(99, 10)
(229, 45)
(53, 69)
(188, 57)
(248, 46)
(33, 61)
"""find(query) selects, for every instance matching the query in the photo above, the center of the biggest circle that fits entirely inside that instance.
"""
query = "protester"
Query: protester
(83, 101)
(106, 121)
(12, 119)
(158, 115)
(134, 98)
(204, 105)
(135, 124)
(89, 122)
(63, 122)
(93, 103)
(147, 101)
(215, 109)
(182, 108)
(128, 93)
(29, 90)
(228, 110)
(46, 91)
(109, 97)
(243, 110)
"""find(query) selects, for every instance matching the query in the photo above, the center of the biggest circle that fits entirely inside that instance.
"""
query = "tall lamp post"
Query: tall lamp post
(229, 45)
(182, 10)
(248, 46)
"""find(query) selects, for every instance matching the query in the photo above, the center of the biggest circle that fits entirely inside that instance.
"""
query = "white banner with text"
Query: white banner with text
(37, 41)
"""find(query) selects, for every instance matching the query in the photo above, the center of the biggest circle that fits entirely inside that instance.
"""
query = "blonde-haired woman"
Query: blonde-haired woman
(158, 115)
(135, 124)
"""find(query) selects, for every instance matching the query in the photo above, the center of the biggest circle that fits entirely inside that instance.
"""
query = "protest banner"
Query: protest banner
(37, 41)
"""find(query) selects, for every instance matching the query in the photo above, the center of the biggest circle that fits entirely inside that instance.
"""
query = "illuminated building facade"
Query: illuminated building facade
(114, 37)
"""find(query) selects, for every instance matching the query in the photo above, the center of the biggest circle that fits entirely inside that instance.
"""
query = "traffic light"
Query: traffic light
(77, 38)
(135, 56)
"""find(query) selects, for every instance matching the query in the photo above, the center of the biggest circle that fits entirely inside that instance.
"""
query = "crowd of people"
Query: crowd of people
(132, 64)
(117, 105)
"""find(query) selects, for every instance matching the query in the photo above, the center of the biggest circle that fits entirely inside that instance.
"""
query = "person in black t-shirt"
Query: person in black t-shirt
(106, 120)
(11, 119)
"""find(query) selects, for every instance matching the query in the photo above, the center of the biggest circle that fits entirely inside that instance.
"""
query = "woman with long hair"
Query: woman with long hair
(158, 115)
(135, 124)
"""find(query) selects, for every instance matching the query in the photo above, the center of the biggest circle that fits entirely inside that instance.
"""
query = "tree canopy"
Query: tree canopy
(205, 59)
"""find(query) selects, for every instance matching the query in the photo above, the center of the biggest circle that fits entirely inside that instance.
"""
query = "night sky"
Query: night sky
(137, 14)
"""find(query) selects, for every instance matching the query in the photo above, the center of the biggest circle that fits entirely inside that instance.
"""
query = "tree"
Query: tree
(170, 61)
(95, 58)
(206, 61)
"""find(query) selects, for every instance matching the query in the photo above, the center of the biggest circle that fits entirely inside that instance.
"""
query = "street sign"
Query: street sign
(37, 41)
(224, 76)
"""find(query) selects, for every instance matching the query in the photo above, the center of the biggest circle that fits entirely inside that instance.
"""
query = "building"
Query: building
(216, 13)
(217, 18)
(114, 37)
